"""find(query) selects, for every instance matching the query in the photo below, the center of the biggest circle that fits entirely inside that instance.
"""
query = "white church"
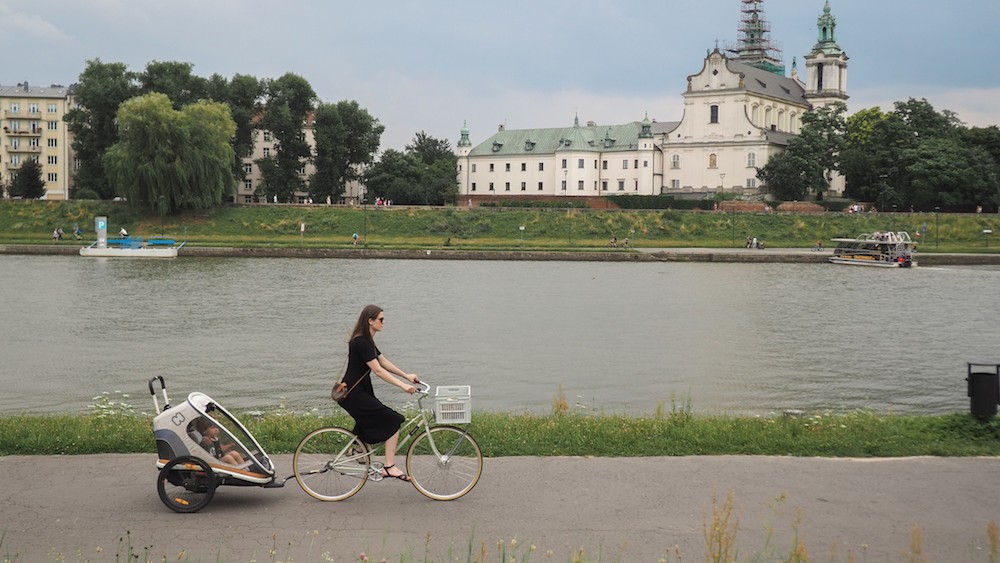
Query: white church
(739, 110)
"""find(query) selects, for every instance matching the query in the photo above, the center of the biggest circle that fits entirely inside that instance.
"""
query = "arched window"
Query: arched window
(715, 114)
(713, 161)
(755, 115)
(675, 161)
(767, 118)
(751, 159)
(781, 121)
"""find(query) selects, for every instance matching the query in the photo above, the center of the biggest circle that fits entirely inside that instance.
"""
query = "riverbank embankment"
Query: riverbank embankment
(725, 255)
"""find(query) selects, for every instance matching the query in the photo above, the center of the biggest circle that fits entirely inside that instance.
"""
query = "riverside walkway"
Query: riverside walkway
(731, 255)
(92, 507)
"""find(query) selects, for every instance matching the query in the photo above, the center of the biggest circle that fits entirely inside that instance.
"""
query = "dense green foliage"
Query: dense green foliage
(424, 174)
(167, 159)
(28, 182)
(490, 228)
(665, 434)
(347, 138)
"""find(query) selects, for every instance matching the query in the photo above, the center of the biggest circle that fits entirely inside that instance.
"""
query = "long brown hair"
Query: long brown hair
(361, 328)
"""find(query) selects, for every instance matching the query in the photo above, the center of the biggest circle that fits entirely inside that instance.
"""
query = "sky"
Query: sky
(433, 66)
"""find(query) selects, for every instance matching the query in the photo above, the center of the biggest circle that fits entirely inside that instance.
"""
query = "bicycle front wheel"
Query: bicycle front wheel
(444, 462)
(331, 464)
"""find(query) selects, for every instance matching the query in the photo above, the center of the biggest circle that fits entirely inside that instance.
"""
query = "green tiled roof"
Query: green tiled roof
(591, 138)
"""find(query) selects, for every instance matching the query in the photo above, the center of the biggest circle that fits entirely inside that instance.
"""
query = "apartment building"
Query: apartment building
(33, 129)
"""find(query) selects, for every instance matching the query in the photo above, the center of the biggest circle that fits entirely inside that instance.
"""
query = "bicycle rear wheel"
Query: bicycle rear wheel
(331, 464)
(444, 462)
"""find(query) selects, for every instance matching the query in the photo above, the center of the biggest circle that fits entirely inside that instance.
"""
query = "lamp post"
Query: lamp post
(161, 215)
(937, 226)
(894, 217)
(364, 206)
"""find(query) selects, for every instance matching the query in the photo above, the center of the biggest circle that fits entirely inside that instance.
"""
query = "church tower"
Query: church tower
(755, 46)
(462, 152)
(826, 65)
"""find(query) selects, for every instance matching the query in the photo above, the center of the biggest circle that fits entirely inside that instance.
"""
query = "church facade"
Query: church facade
(739, 110)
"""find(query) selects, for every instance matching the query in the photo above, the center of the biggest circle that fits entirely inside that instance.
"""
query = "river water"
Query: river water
(615, 337)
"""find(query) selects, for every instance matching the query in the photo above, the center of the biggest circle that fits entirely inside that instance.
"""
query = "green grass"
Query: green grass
(499, 434)
(23, 222)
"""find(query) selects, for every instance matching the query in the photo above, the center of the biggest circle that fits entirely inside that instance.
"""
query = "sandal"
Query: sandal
(385, 473)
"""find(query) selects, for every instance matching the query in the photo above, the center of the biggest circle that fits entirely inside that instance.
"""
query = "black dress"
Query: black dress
(374, 422)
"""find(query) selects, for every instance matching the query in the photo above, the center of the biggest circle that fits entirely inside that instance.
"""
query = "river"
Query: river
(257, 333)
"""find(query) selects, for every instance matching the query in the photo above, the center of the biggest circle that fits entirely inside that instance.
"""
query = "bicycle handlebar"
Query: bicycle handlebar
(426, 390)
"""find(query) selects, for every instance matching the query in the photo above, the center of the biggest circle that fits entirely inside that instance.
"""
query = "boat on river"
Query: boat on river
(885, 249)
(133, 247)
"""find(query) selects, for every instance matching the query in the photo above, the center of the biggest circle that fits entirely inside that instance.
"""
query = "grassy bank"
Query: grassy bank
(499, 434)
(486, 228)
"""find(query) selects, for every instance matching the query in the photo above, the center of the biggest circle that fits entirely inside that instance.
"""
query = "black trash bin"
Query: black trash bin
(984, 389)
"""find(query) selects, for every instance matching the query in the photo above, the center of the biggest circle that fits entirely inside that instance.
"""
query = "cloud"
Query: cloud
(17, 26)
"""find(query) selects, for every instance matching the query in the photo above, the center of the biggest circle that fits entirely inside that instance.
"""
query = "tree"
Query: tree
(101, 89)
(168, 159)
(347, 138)
(395, 176)
(808, 162)
(28, 182)
(289, 100)
(175, 80)
(426, 174)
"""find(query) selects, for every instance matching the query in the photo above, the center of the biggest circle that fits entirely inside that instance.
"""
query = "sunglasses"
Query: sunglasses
(380, 319)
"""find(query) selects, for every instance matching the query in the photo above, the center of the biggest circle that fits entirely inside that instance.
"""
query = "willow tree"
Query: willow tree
(167, 159)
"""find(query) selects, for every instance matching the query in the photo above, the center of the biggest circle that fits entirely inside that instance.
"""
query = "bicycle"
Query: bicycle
(443, 461)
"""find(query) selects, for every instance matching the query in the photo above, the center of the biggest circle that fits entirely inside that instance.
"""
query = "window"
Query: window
(491, 186)
(53, 159)
(604, 165)
(675, 161)
(15, 108)
(473, 167)
(15, 143)
(751, 159)
(53, 125)
(53, 143)
(32, 108)
(268, 137)
(675, 184)
(715, 114)
(541, 166)
(524, 167)
(53, 177)
(713, 161)
(248, 168)
(248, 185)
(621, 185)
(33, 143)
(564, 163)
(459, 167)
(636, 164)
(53, 108)
(604, 185)
(524, 186)
(491, 167)
(564, 185)
(507, 169)
(540, 186)
(267, 152)
(579, 185)
(645, 164)
(506, 186)
(579, 163)
(248, 199)
(625, 164)
(473, 186)
(15, 160)
(751, 182)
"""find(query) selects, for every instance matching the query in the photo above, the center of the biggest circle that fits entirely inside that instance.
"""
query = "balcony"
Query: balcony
(36, 132)
(10, 166)
(33, 150)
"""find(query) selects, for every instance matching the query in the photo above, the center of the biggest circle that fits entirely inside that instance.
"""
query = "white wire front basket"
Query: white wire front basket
(453, 404)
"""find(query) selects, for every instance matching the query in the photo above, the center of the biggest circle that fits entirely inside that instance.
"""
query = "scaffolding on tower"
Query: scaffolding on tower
(755, 46)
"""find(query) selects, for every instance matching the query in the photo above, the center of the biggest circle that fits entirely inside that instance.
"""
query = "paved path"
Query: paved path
(635, 509)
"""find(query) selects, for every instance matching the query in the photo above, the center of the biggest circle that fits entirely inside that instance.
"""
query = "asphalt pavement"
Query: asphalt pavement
(98, 507)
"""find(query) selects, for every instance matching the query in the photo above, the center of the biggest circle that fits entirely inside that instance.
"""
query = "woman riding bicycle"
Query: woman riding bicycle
(374, 422)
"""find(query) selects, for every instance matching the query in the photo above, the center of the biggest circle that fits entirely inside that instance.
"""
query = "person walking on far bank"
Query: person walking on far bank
(374, 422)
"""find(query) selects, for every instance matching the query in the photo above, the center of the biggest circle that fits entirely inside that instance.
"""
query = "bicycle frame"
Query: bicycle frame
(413, 426)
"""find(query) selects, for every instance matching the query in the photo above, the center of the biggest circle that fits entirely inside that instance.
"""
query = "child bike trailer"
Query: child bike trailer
(200, 446)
